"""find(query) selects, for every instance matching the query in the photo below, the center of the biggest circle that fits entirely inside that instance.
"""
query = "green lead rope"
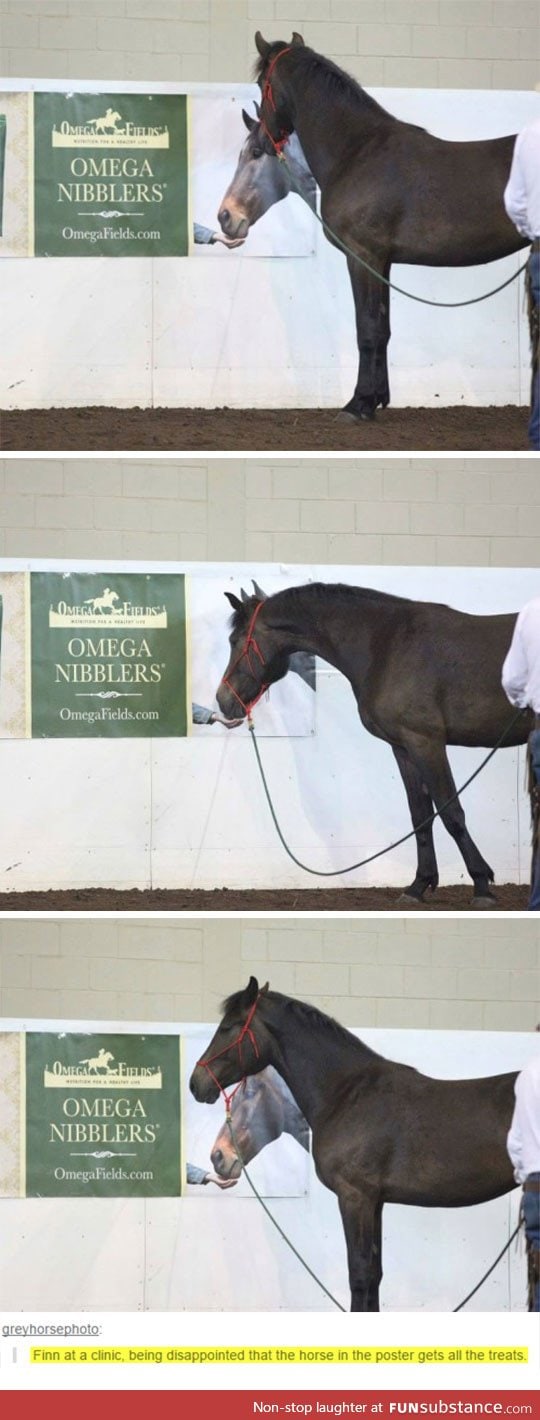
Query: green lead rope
(339, 872)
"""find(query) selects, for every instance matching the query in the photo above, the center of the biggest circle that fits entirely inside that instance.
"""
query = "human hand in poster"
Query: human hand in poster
(196, 1175)
(206, 236)
(202, 716)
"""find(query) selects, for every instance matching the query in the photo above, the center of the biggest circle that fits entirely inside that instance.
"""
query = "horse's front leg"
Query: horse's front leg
(372, 309)
(360, 1215)
(421, 808)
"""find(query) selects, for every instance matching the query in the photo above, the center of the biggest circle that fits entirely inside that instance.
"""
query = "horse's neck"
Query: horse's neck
(343, 635)
(329, 127)
(310, 1059)
(294, 1123)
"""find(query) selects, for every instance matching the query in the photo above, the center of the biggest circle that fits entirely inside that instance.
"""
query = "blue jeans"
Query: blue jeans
(534, 421)
(534, 897)
(531, 1213)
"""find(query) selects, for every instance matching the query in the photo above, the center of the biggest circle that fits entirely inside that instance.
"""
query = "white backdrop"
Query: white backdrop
(198, 1253)
(185, 332)
(191, 813)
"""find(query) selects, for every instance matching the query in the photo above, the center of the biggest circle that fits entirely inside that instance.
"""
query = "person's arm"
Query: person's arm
(515, 670)
(200, 715)
(203, 236)
(515, 193)
(196, 1175)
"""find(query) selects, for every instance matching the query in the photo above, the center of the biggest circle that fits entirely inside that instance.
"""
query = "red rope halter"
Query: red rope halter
(278, 144)
(250, 641)
(246, 1030)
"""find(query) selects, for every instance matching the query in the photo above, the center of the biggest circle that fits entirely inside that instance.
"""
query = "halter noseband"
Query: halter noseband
(250, 641)
(205, 1064)
(278, 144)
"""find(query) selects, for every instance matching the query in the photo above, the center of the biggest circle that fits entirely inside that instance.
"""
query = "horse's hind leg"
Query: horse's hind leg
(372, 332)
(432, 762)
(359, 1217)
(421, 807)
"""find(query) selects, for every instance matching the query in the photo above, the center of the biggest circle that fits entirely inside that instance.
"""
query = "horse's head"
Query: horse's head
(258, 1117)
(241, 1045)
(258, 656)
(276, 113)
(258, 183)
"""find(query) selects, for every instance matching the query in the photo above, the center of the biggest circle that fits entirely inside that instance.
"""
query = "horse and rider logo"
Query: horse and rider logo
(106, 602)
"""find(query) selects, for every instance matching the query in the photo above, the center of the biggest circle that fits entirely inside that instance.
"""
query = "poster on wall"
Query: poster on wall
(266, 206)
(110, 174)
(108, 654)
(102, 1115)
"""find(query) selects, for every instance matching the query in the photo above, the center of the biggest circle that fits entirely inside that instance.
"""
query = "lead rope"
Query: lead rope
(275, 1222)
(339, 872)
(309, 1269)
(424, 301)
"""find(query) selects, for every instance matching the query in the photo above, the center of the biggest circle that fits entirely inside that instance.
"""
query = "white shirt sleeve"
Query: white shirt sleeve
(514, 1145)
(515, 193)
(515, 670)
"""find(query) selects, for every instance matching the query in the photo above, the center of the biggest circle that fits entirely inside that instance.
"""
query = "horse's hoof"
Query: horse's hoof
(352, 416)
(407, 899)
(484, 904)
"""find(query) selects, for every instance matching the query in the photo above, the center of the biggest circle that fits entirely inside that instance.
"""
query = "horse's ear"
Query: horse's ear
(264, 988)
(235, 601)
(296, 38)
(244, 595)
(249, 122)
(262, 46)
(258, 590)
(251, 991)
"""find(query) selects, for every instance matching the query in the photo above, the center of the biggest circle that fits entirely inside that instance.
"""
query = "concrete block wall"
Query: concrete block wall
(428, 43)
(438, 973)
(476, 512)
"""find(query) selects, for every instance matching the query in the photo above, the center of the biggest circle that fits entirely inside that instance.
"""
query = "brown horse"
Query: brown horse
(261, 1112)
(390, 191)
(382, 1132)
(424, 676)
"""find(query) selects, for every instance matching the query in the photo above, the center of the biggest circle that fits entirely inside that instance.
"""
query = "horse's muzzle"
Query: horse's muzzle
(202, 1086)
(225, 1165)
(233, 224)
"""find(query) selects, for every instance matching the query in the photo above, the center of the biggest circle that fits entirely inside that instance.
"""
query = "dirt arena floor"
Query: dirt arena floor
(510, 898)
(453, 428)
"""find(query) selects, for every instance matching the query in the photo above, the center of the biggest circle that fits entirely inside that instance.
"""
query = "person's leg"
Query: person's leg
(534, 421)
(534, 783)
(531, 1213)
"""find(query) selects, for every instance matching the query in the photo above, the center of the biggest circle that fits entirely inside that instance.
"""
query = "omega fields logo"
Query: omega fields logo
(107, 608)
(108, 130)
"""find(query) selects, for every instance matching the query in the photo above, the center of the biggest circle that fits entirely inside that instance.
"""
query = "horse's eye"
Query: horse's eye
(257, 153)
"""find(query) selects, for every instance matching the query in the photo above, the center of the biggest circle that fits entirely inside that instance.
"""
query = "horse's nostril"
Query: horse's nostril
(224, 215)
(217, 1157)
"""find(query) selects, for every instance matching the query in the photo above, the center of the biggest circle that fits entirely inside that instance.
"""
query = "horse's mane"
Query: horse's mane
(320, 594)
(329, 77)
(310, 1015)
